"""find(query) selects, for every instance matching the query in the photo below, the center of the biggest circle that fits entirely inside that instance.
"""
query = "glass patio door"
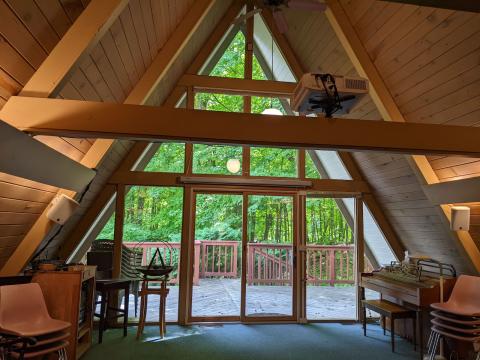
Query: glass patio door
(217, 265)
(329, 278)
(269, 252)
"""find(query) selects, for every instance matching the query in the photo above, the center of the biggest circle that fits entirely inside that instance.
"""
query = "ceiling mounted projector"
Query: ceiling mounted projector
(328, 94)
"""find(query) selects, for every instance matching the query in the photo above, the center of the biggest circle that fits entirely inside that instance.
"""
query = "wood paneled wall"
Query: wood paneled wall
(319, 50)
(30, 31)
(430, 61)
(415, 220)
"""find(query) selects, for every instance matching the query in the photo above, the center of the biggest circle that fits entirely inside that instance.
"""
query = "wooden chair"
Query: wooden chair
(106, 288)
(393, 312)
(101, 255)
(146, 290)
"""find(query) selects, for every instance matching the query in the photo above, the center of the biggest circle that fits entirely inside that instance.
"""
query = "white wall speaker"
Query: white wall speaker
(61, 208)
(460, 218)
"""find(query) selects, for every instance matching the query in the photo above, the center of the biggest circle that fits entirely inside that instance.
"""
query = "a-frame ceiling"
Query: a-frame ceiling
(428, 58)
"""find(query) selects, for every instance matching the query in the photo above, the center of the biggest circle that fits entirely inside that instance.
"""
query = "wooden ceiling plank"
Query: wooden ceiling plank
(36, 23)
(133, 43)
(169, 53)
(56, 16)
(84, 33)
(388, 108)
(138, 95)
(14, 31)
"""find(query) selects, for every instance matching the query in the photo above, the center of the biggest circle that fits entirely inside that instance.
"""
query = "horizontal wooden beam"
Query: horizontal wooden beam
(73, 118)
(452, 192)
(462, 5)
(173, 179)
(245, 87)
(28, 158)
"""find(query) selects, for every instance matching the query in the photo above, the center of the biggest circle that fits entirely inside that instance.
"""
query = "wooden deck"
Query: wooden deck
(221, 297)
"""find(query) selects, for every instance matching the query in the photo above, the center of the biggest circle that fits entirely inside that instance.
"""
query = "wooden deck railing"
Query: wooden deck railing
(330, 264)
(267, 264)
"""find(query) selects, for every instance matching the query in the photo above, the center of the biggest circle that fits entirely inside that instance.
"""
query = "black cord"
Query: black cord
(49, 241)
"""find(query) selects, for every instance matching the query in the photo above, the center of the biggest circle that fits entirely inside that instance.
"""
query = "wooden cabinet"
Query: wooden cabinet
(69, 296)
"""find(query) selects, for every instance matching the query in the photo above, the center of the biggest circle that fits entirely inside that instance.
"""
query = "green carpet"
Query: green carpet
(254, 342)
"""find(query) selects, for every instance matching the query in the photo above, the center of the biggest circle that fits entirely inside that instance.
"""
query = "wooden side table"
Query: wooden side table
(144, 292)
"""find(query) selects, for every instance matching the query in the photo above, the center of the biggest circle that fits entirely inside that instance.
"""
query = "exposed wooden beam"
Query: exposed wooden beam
(28, 158)
(73, 118)
(80, 38)
(139, 95)
(461, 5)
(246, 87)
(171, 179)
(452, 192)
(387, 106)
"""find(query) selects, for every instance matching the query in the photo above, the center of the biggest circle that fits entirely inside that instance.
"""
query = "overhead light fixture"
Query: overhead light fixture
(460, 218)
(233, 166)
(272, 111)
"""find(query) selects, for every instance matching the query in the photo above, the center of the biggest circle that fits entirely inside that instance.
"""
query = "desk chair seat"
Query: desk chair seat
(464, 298)
(23, 313)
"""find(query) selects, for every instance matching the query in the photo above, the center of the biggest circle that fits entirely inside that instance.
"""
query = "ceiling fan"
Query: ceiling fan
(277, 7)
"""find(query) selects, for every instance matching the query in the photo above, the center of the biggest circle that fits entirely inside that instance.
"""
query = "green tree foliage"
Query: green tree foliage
(212, 159)
(153, 214)
(311, 171)
(218, 217)
(170, 157)
(326, 224)
(273, 162)
(270, 219)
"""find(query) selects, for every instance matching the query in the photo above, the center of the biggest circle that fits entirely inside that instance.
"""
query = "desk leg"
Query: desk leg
(163, 299)
(419, 324)
(125, 310)
(103, 315)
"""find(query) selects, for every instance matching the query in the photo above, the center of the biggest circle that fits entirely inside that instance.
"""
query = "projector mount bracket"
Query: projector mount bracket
(332, 102)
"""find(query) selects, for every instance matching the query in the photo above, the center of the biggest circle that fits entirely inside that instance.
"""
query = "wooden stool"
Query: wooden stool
(392, 311)
(144, 292)
(105, 288)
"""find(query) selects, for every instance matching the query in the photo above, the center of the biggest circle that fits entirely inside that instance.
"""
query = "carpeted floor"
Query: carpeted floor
(254, 342)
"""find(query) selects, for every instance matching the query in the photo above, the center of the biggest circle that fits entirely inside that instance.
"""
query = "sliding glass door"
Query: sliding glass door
(242, 259)
(330, 259)
(269, 257)
(217, 266)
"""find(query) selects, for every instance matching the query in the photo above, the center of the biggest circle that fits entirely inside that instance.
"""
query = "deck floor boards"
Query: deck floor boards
(221, 297)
